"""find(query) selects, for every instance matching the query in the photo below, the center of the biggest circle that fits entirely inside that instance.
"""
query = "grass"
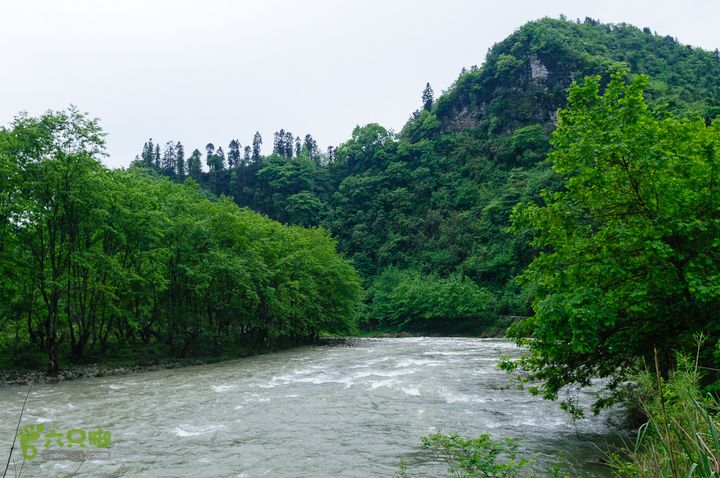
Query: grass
(681, 438)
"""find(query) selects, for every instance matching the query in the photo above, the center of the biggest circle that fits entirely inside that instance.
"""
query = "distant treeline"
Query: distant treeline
(93, 259)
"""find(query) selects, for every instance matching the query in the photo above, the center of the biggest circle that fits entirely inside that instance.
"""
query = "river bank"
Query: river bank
(126, 366)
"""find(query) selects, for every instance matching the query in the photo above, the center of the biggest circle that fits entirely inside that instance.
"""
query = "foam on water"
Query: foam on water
(187, 430)
(284, 414)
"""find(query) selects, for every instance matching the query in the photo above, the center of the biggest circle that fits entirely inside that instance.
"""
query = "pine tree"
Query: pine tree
(248, 155)
(220, 159)
(311, 146)
(147, 153)
(168, 159)
(298, 146)
(180, 161)
(427, 97)
(234, 154)
(257, 144)
(195, 165)
(288, 144)
(279, 142)
(210, 156)
(156, 157)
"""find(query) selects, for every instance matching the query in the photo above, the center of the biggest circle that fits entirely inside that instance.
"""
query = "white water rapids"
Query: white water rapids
(307, 412)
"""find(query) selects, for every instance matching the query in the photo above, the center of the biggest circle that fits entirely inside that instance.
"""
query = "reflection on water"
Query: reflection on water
(308, 412)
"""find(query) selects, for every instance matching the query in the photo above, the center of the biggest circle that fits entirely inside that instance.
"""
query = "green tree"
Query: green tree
(630, 255)
(156, 157)
(58, 158)
(180, 169)
(147, 153)
(234, 156)
(256, 146)
(169, 159)
(210, 159)
(428, 97)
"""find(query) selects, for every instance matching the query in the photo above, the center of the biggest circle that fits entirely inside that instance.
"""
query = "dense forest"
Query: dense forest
(93, 260)
(564, 193)
(188, 251)
(424, 213)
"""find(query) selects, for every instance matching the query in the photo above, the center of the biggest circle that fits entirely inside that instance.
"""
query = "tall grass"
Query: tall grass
(681, 438)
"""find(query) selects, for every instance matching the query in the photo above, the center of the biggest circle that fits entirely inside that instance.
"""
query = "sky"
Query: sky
(214, 70)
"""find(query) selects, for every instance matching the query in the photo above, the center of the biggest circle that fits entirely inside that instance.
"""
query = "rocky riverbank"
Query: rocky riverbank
(25, 377)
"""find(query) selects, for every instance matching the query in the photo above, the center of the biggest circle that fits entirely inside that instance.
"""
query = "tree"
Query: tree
(629, 255)
(370, 146)
(92, 258)
(247, 156)
(289, 141)
(58, 158)
(147, 153)
(195, 165)
(156, 157)
(257, 144)
(279, 143)
(311, 146)
(210, 156)
(234, 157)
(298, 146)
(427, 97)
(180, 161)
(220, 159)
(169, 159)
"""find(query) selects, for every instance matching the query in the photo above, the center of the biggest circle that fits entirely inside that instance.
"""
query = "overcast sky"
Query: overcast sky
(212, 70)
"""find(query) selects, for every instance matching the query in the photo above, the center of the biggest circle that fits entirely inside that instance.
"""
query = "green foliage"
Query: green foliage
(477, 457)
(526, 76)
(410, 300)
(629, 256)
(437, 196)
(96, 259)
(682, 435)
(481, 457)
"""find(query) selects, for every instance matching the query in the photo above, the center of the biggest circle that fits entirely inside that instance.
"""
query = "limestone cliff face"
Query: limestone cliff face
(538, 71)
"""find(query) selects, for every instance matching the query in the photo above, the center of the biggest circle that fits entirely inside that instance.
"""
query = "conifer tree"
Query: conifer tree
(210, 156)
(234, 154)
(288, 144)
(168, 159)
(427, 97)
(147, 153)
(311, 146)
(180, 161)
(257, 144)
(220, 159)
(279, 142)
(195, 165)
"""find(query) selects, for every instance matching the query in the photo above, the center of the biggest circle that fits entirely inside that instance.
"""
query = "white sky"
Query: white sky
(213, 70)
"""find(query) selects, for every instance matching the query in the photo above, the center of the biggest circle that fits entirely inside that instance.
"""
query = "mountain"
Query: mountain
(525, 77)
(423, 214)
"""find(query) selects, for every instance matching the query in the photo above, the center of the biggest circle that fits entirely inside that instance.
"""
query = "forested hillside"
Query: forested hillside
(423, 213)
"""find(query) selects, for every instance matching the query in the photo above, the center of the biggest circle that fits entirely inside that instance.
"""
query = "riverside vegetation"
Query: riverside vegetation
(95, 262)
(606, 237)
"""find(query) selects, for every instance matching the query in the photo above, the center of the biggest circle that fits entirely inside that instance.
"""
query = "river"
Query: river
(307, 412)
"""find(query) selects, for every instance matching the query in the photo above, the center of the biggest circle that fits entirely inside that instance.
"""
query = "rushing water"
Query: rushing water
(307, 412)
